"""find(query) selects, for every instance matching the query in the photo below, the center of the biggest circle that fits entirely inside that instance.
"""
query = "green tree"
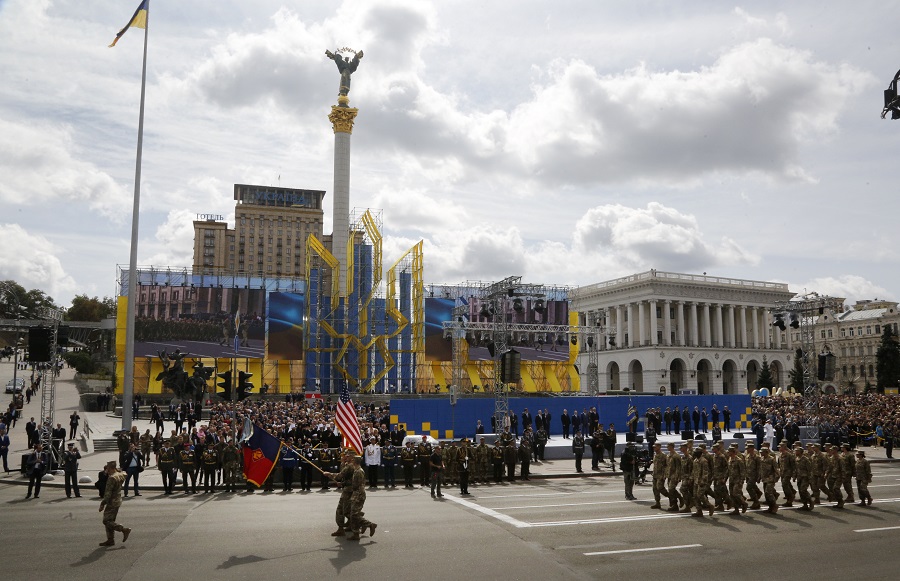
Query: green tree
(16, 302)
(765, 379)
(795, 375)
(89, 309)
(81, 361)
(887, 360)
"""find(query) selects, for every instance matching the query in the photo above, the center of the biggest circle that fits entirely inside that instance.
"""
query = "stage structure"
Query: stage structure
(370, 333)
(528, 332)
(217, 319)
(801, 313)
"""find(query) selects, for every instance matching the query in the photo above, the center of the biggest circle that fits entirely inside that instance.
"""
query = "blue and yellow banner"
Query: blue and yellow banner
(139, 20)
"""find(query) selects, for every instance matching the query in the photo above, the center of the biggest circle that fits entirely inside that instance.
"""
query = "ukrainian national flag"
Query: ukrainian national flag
(139, 20)
(261, 452)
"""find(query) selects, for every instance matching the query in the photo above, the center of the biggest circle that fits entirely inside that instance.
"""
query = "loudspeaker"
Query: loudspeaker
(687, 434)
(739, 436)
(630, 436)
(62, 336)
(638, 439)
(700, 437)
(40, 344)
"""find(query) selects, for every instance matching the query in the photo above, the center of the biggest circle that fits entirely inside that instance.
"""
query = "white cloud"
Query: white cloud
(41, 165)
(652, 237)
(31, 260)
(850, 286)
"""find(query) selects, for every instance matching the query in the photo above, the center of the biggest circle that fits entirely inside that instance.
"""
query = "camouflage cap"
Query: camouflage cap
(702, 445)
(750, 445)
(861, 453)
(845, 445)
(783, 443)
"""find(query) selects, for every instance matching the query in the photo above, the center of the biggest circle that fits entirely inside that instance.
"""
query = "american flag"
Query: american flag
(346, 421)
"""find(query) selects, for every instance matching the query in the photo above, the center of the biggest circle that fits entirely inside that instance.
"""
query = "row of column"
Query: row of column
(695, 324)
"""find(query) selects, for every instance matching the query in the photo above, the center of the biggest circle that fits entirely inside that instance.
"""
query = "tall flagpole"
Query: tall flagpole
(128, 388)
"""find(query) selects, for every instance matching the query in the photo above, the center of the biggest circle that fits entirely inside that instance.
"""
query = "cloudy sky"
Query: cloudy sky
(568, 142)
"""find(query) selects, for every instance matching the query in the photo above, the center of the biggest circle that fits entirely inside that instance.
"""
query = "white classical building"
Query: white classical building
(675, 333)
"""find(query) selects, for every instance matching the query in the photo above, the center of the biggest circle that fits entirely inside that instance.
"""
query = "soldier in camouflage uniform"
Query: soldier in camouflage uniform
(834, 476)
(343, 479)
(231, 466)
(849, 469)
(497, 461)
(719, 476)
(450, 457)
(674, 469)
(482, 461)
(804, 476)
(768, 473)
(737, 473)
(358, 522)
(787, 467)
(146, 441)
(752, 462)
(863, 477)
(660, 463)
(209, 459)
(701, 474)
(817, 470)
(687, 477)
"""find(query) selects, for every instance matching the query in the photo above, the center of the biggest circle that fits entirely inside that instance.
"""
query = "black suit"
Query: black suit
(36, 467)
(565, 425)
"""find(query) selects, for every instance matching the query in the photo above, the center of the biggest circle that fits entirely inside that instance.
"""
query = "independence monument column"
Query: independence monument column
(341, 117)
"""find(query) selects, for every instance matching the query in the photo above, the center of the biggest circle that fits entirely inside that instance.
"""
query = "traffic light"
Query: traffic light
(223, 387)
(244, 386)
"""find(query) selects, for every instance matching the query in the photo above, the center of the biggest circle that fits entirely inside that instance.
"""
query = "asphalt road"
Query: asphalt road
(553, 529)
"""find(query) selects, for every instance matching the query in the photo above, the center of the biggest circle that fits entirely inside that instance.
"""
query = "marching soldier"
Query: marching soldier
(358, 523)
(804, 474)
(659, 475)
(719, 476)
(343, 478)
(674, 469)
(768, 473)
(787, 465)
(863, 477)
(687, 477)
(817, 470)
(408, 460)
(701, 474)
(834, 476)
(753, 461)
(737, 472)
(849, 468)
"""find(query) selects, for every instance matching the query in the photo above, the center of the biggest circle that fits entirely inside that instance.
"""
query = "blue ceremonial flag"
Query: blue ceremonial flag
(632, 413)
(261, 454)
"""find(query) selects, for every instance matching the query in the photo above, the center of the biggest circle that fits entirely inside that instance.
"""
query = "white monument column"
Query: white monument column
(654, 330)
(642, 326)
(632, 340)
(754, 316)
(707, 327)
(720, 328)
(732, 340)
(342, 121)
(667, 323)
(620, 338)
(695, 328)
(744, 327)
(680, 324)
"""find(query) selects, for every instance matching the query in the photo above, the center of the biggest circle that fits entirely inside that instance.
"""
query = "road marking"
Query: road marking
(488, 512)
(565, 504)
(549, 494)
(873, 530)
(643, 550)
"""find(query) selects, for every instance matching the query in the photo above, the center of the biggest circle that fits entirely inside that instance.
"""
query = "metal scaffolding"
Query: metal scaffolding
(801, 313)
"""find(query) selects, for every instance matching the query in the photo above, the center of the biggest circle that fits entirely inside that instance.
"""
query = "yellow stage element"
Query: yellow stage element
(434, 434)
(448, 434)
(426, 426)
(474, 376)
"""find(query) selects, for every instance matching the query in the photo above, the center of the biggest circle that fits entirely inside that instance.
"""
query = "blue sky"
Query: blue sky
(568, 142)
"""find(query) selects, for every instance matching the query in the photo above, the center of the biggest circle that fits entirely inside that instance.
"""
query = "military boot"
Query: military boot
(755, 505)
(338, 533)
